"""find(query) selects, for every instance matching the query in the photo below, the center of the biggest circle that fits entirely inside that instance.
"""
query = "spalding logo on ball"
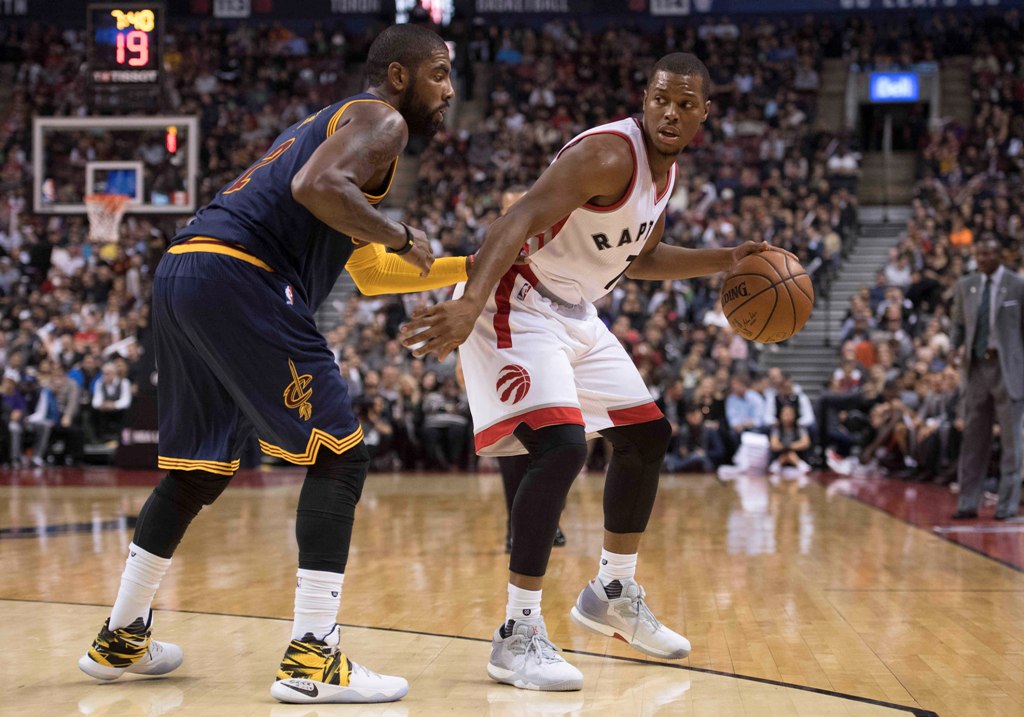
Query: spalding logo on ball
(513, 383)
(767, 297)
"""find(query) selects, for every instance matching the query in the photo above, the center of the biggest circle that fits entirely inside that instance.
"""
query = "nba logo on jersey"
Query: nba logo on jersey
(289, 295)
(513, 383)
(523, 291)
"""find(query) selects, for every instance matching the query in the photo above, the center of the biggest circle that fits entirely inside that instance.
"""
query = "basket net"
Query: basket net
(105, 212)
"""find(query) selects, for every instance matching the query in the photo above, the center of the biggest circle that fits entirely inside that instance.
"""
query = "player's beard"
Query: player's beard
(667, 155)
(418, 116)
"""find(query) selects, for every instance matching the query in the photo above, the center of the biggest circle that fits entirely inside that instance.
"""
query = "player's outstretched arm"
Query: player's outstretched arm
(331, 183)
(376, 272)
(597, 168)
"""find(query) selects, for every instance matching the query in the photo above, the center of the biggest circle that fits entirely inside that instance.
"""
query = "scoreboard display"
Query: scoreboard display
(125, 43)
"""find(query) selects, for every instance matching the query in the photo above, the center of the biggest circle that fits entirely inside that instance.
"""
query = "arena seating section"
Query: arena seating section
(758, 171)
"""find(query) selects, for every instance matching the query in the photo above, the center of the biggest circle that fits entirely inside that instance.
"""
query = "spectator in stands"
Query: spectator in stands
(86, 374)
(54, 414)
(446, 426)
(378, 431)
(789, 442)
(711, 402)
(960, 235)
(897, 271)
(13, 410)
(111, 398)
(844, 166)
(696, 447)
(783, 392)
(744, 410)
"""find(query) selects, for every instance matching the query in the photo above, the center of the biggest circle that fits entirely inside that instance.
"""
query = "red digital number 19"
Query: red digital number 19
(137, 42)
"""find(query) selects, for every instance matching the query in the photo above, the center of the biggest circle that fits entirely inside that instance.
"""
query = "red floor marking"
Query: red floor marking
(930, 506)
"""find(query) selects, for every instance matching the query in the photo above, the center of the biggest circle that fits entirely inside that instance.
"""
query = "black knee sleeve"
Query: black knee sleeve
(557, 454)
(632, 483)
(327, 508)
(170, 508)
(512, 468)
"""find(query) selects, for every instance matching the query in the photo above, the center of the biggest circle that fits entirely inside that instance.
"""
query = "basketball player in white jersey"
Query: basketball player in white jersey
(543, 372)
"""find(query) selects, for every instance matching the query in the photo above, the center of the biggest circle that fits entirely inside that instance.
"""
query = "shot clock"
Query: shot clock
(125, 44)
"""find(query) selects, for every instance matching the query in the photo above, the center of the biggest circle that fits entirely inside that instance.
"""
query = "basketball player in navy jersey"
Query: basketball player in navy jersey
(238, 351)
(543, 372)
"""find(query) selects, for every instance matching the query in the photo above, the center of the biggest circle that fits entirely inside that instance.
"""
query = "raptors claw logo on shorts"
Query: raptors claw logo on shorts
(513, 383)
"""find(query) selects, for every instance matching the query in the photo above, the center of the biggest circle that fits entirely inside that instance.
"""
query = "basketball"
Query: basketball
(768, 297)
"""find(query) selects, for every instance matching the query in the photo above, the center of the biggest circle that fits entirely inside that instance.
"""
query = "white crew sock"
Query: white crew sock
(142, 574)
(522, 603)
(317, 598)
(616, 566)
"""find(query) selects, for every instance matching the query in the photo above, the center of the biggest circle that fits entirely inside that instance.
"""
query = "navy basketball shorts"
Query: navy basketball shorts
(238, 350)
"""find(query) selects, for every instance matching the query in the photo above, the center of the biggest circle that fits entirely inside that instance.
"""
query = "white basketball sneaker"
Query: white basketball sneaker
(529, 660)
(129, 649)
(315, 671)
(619, 611)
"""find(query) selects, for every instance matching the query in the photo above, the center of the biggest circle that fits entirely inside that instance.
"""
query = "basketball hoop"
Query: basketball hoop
(105, 212)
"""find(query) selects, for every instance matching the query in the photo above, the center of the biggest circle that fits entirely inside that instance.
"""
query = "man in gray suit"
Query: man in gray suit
(988, 322)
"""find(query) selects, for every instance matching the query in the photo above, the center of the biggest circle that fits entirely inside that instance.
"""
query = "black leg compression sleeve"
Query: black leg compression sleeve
(557, 454)
(632, 483)
(513, 468)
(177, 499)
(327, 508)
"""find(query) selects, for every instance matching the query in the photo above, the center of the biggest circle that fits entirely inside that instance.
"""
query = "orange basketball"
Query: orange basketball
(768, 297)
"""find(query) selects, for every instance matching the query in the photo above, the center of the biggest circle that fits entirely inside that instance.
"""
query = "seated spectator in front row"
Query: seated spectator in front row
(13, 408)
(54, 417)
(86, 374)
(744, 411)
(111, 398)
(784, 392)
(889, 445)
(696, 448)
(937, 430)
(447, 431)
(789, 443)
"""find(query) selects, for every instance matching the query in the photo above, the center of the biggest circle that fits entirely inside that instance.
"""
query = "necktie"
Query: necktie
(984, 317)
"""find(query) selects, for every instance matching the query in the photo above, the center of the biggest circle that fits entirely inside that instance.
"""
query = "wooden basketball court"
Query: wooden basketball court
(799, 600)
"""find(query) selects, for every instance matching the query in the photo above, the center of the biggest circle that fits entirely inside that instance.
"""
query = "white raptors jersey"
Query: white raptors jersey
(584, 255)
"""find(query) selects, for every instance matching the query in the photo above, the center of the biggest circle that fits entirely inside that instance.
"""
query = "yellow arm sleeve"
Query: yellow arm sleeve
(376, 272)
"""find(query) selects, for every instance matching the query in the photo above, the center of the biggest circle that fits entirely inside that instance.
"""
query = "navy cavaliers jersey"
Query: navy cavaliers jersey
(257, 210)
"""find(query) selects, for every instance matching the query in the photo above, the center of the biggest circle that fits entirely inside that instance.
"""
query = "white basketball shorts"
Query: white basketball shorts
(536, 361)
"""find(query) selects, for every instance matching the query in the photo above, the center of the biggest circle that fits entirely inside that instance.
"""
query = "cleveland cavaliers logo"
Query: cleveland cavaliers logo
(297, 393)
(513, 383)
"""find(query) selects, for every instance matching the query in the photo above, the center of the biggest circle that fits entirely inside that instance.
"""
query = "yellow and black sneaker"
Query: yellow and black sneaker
(129, 649)
(315, 670)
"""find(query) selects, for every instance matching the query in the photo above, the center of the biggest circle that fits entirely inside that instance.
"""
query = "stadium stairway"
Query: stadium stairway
(955, 88)
(831, 113)
(811, 356)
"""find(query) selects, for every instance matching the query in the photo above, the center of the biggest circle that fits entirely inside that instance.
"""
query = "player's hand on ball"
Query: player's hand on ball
(440, 329)
(421, 255)
(755, 247)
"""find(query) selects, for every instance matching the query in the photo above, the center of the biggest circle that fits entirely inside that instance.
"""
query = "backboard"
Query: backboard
(154, 160)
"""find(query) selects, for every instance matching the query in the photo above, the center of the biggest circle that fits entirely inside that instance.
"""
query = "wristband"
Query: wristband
(407, 247)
